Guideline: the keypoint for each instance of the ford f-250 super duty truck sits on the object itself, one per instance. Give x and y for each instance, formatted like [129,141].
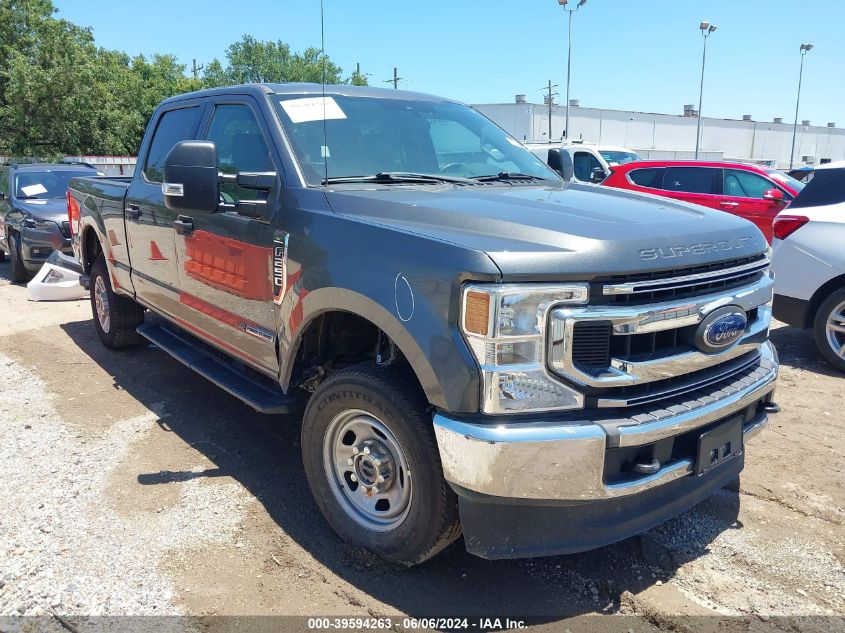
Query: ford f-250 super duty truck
[545,366]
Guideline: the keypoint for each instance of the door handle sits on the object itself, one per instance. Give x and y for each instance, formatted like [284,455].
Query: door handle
[183,225]
[729,205]
[132,211]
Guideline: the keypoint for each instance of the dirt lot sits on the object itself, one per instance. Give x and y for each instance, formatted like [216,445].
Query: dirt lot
[132,486]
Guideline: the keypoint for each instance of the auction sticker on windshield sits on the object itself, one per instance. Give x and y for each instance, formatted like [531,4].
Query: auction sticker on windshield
[33,190]
[312,109]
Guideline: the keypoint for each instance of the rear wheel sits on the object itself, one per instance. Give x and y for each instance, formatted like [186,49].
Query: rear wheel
[372,464]
[115,317]
[829,329]
[19,271]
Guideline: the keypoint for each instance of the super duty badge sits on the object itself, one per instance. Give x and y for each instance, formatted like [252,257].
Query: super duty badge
[671,252]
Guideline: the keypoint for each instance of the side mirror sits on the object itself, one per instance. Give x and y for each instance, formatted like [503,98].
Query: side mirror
[561,162]
[191,182]
[597,175]
[774,196]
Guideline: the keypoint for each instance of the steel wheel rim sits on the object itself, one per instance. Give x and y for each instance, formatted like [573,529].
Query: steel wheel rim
[835,330]
[373,486]
[101,304]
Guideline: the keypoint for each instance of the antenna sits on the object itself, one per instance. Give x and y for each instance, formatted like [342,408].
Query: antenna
[325,148]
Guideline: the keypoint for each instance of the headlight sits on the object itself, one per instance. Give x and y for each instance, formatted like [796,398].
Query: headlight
[505,327]
[32,223]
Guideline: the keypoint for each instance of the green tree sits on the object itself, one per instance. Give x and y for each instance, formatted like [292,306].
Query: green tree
[60,94]
[21,22]
[250,61]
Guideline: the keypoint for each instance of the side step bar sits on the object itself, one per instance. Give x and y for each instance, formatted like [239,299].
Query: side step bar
[253,393]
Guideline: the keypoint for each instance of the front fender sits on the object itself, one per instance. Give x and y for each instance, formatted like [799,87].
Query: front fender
[333,299]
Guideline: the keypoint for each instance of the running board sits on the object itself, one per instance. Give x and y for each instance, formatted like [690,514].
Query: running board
[261,398]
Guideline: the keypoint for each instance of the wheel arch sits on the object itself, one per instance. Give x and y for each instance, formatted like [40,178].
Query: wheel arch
[91,248]
[327,301]
[822,293]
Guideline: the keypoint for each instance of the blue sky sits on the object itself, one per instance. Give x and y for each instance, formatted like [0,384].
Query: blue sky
[627,54]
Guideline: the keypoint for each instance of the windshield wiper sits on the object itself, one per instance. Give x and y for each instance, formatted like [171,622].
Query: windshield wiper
[507,175]
[388,177]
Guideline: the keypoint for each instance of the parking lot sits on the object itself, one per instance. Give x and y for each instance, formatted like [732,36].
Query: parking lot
[133,486]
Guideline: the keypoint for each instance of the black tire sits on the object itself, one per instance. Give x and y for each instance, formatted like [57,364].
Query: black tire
[834,301]
[124,315]
[19,272]
[392,396]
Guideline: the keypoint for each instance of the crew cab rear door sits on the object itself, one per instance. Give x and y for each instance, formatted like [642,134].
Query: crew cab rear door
[225,258]
[149,223]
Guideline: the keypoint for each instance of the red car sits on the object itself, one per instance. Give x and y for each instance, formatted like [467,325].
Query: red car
[749,191]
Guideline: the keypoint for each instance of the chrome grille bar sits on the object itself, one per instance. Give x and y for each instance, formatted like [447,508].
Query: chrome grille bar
[629,320]
[685,281]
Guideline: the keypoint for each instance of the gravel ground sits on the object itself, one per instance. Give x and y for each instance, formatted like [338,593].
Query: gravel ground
[131,486]
[63,545]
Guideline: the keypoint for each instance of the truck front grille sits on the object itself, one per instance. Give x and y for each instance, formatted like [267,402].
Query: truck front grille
[594,344]
[679,283]
[627,354]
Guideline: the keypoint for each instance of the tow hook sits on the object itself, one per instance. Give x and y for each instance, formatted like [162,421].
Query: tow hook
[770,407]
[647,468]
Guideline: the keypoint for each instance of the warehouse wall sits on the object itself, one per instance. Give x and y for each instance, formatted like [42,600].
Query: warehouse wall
[745,140]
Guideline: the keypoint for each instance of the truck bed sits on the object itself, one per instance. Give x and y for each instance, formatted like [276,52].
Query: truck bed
[105,187]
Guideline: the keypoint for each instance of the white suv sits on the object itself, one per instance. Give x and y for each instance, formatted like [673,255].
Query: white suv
[809,262]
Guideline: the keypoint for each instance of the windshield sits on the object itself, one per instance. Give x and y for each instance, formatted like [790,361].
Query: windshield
[42,185]
[366,136]
[619,158]
[786,179]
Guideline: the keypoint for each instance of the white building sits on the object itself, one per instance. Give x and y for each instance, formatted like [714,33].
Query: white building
[673,136]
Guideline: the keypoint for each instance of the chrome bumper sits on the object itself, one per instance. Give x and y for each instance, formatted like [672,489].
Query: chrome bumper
[565,462]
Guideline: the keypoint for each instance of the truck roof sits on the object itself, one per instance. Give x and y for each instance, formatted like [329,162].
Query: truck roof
[261,89]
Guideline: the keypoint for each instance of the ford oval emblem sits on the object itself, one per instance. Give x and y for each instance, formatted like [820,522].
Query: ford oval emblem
[721,328]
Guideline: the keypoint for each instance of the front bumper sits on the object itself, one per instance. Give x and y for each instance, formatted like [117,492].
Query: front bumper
[791,311]
[38,244]
[555,467]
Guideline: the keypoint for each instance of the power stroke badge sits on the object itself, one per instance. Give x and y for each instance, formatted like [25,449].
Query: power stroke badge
[280,265]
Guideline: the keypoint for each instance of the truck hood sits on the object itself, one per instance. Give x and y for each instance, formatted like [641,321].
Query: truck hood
[54,210]
[572,231]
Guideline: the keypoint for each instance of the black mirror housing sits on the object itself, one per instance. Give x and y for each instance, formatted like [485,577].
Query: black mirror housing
[597,175]
[191,183]
[561,162]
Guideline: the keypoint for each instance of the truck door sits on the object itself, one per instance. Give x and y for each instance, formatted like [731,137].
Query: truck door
[149,224]
[584,163]
[225,259]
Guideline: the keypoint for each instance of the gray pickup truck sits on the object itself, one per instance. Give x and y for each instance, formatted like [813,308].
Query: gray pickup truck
[480,347]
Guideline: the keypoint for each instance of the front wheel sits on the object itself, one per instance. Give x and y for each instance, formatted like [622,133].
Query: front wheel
[19,272]
[829,329]
[115,317]
[372,464]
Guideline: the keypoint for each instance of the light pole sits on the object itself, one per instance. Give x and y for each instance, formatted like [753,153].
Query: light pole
[706,29]
[805,48]
[564,4]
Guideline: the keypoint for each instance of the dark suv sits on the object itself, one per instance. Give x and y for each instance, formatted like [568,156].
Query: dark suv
[33,213]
